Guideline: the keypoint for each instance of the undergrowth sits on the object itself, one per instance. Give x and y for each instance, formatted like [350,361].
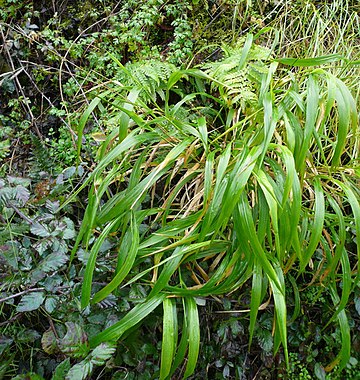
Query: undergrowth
[196,214]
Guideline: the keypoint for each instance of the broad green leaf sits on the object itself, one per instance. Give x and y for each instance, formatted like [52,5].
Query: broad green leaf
[172,264]
[125,118]
[130,141]
[203,132]
[248,232]
[297,305]
[102,353]
[61,370]
[75,342]
[182,347]
[245,50]
[31,301]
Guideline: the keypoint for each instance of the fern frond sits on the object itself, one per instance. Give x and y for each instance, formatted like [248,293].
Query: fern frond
[148,76]
[238,84]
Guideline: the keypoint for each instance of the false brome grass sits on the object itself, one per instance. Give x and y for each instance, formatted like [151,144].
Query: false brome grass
[237,182]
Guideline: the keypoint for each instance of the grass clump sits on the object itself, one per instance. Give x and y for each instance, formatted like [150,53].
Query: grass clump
[209,215]
[244,188]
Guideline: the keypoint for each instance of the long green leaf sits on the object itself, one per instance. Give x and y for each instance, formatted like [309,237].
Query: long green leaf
[84,118]
[133,317]
[256,291]
[317,225]
[90,265]
[193,335]
[306,62]
[169,337]
[128,249]
[280,310]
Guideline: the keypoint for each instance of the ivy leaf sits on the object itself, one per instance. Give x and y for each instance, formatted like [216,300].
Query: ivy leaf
[30,302]
[61,370]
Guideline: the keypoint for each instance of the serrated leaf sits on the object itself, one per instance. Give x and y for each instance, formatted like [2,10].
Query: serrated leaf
[69,232]
[22,194]
[75,342]
[39,230]
[50,304]
[265,340]
[101,353]
[61,370]
[53,262]
[18,181]
[52,207]
[98,356]
[5,194]
[80,371]
[49,342]
[30,302]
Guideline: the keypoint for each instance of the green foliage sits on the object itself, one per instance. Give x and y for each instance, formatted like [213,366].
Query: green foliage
[277,225]
[219,202]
